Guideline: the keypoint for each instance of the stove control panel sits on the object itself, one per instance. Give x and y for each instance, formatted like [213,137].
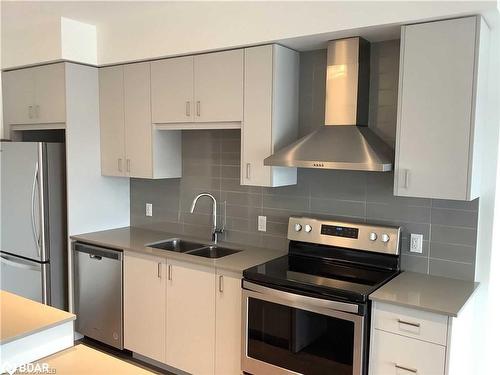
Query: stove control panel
[358,236]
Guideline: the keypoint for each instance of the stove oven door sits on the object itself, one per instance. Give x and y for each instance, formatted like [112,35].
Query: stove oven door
[286,333]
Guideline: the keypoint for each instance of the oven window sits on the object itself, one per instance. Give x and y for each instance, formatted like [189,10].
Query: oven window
[299,340]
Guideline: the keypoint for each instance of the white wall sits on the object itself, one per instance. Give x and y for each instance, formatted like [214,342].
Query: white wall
[141,30]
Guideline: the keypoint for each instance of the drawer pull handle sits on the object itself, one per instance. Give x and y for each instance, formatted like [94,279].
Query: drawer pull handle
[405,368]
[417,325]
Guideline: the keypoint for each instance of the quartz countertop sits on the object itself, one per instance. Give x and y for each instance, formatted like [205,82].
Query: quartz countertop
[20,317]
[136,240]
[419,291]
[83,360]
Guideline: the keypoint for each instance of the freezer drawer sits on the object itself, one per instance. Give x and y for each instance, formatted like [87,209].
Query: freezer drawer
[25,278]
[98,293]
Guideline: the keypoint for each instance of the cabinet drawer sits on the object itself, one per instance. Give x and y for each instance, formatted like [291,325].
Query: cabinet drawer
[398,355]
[412,323]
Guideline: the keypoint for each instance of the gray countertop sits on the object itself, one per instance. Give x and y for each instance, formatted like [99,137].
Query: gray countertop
[135,239]
[425,292]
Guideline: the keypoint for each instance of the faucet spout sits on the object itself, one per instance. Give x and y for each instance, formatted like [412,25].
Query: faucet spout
[215,231]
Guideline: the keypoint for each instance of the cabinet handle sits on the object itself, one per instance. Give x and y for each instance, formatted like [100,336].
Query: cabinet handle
[198,108]
[30,111]
[188,109]
[169,275]
[248,170]
[159,270]
[417,325]
[120,165]
[221,283]
[406,179]
[405,368]
[37,111]
[128,165]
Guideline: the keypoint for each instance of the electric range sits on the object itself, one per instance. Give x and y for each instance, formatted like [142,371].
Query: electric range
[308,312]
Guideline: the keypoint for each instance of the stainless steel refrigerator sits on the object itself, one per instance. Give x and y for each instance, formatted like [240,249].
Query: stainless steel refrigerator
[33,221]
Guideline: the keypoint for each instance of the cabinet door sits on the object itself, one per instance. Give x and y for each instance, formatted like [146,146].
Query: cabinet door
[172,90]
[144,294]
[218,86]
[50,94]
[111,112]
[437,73]
[191,318]
[399,355]
[138,128]
[19,96]
[228,326]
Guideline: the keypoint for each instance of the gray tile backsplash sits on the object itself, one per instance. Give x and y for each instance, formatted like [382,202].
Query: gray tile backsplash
[211,162]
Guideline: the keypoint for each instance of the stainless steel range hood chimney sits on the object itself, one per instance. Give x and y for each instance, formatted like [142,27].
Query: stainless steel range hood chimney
[345,142]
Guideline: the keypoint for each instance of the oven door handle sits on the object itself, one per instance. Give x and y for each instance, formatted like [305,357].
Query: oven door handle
[305,300]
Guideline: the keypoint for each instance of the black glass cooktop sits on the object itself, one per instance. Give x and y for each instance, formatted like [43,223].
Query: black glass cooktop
[334,279]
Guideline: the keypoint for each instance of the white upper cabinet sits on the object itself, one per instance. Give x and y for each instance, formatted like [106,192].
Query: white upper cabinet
[270,113]
[441,88]
[35,95]
[203,88]
[172,90]
[129,144]
[218,86]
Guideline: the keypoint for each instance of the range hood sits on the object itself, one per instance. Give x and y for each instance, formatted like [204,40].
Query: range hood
[345,141]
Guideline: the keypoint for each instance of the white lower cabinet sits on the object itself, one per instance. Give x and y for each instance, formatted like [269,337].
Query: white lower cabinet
[182,314]
[228,325]
[407,341]
[395,354]
[144,297]
[190,318]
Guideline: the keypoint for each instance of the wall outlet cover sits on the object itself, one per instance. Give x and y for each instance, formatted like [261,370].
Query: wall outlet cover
[149,209]
[416,243]
[261,223]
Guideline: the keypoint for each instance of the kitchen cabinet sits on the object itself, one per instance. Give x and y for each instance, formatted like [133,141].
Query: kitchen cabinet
[270,113]
[228,325]
[129,144]
[205,88]
[35,95]
[190,317]
[410,341]
[172,90]
[144,299]
[442,85]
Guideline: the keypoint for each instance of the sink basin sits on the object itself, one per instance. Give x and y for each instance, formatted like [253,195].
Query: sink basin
[213,251]
[176,244]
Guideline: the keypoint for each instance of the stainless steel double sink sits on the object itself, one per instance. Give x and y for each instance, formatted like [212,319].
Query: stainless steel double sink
[193,248]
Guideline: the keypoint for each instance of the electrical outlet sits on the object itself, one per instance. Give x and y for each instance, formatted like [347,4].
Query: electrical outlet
[416,243]
[261,223]
[149,209]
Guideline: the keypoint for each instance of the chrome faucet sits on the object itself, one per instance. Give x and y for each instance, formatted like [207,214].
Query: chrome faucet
[215,231]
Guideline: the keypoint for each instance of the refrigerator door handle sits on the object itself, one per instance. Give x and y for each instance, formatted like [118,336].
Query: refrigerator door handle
[36,235]
[10,262]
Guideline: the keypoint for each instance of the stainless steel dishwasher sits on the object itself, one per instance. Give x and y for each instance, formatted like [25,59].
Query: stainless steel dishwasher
[98,293]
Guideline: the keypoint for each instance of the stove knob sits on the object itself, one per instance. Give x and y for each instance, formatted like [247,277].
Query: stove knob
[298,227]
[385,238]
[373,236]
[308,228]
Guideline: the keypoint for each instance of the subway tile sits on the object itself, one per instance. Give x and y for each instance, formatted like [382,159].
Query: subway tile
[405,248]
[398,212]
[337,207]
[457,253]
[342,185]
[454,270]
[242,211]
[286,202]
[380,189]
[275,242]
[228,171]
[244,238]
[279,229]
[233,184]
[282,215]
[242,199]
[457,205]
[453,235]
[458,218]
[414,263]
[230,158]
[203,232]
